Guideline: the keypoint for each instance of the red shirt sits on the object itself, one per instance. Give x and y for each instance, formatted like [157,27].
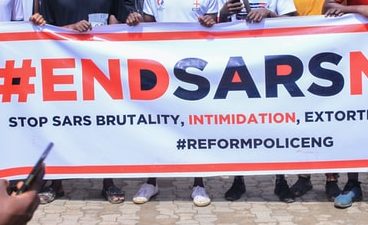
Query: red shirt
[354,2]
[357,2]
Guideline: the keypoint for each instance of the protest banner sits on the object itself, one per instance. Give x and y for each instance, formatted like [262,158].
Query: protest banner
[288,95]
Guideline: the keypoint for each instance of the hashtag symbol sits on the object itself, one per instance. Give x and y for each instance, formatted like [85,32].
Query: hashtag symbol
[181,144]
[16,81]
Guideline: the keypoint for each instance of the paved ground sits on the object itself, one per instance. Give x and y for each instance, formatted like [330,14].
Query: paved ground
[84,205]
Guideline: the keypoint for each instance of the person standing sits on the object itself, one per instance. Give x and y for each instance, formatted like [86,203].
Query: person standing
[303,184]
[205,13]
[82,15]
[352,191]
[259,10]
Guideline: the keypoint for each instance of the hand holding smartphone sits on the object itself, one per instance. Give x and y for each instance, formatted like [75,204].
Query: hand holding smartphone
[239,7]
[37,171]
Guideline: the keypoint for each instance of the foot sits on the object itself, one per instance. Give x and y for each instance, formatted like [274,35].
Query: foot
[113,194]
[301,186]
[332,190]
[49,194]
[200,197]
[145,193]
[352,192]
[236,190]
[282,190]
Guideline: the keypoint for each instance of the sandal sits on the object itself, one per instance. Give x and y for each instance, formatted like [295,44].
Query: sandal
[113,194]
[49,194]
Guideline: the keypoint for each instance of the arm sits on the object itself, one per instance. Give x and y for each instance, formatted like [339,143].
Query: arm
[36,6]
[283,8]
[207,20]
[229,8]
[148,18]
[210,15]
[333,4]
[47,12]
[121,10]
[335,8]
[257,15]
[135,18]
[81,26]
[37,19]
[140,15]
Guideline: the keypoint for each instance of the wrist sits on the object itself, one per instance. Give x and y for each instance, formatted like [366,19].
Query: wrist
[269,13]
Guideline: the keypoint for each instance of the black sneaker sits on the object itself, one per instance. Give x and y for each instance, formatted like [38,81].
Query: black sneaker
[301,186]
[236,190]
[282,190]
[332,190]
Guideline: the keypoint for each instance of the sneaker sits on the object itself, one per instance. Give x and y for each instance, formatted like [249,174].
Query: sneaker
[352,192]
[145,193]
[236,190]
[332,190]
[301,186]
[282,190]
[200,197]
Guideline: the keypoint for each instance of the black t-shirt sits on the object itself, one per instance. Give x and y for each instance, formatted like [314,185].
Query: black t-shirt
[65,12]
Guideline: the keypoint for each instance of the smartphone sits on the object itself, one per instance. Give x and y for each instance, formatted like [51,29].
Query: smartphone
[247,6]
[243,14]
[35,170]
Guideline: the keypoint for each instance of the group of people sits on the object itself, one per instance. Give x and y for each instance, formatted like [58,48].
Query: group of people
[70,14]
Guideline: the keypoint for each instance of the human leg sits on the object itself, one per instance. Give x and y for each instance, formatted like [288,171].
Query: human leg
[282,189]
[112,193]
[352,192]
[302,185]
[236,190]
[332,189]
[49,193]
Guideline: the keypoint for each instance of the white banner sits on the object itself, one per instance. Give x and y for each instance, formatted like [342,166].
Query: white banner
[287,95]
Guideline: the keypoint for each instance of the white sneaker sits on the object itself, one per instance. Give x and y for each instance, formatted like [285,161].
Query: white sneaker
[200,197]
[145,193]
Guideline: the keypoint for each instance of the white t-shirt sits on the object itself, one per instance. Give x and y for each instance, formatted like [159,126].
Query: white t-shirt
[11,10]
[179,10]
[280,7]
